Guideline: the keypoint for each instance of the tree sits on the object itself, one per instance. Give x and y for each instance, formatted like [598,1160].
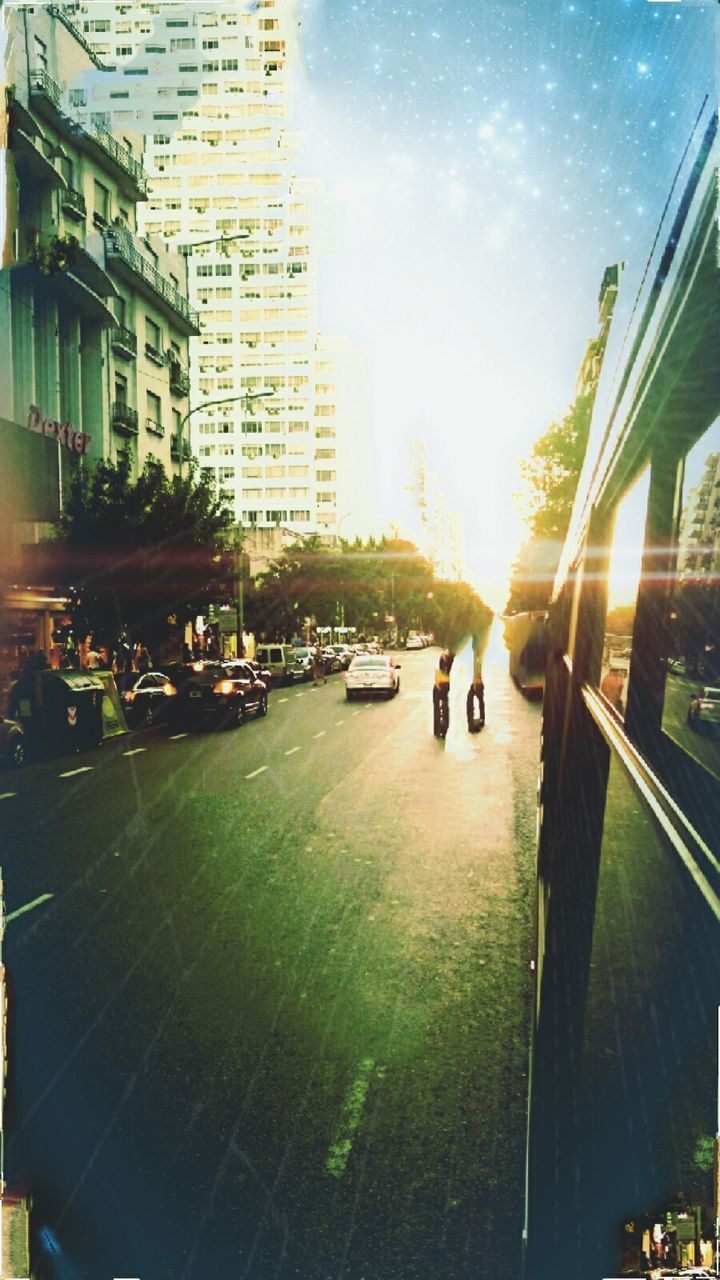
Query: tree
[551,475]
[141,555]
[359,585]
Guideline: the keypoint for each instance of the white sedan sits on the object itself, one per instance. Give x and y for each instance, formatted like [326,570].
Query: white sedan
[372,672]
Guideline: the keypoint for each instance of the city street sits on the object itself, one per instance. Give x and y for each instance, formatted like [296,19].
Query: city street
[269,1005]
[700,741]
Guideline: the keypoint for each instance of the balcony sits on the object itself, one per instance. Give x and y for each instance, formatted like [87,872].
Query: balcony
[136,269]
[73,204]
[153,354]
[179,380]
[123,342]
[45,93]
[124,419]
[175,450]
[155,427]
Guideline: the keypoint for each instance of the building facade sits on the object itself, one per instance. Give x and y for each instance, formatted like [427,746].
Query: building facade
[94,321]
[210,90]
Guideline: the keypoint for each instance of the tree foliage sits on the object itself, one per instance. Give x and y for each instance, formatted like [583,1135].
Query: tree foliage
[361,585]
[143,555]
[550,476]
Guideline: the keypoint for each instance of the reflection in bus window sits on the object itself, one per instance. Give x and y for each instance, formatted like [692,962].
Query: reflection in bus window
[691,708]
[623,579]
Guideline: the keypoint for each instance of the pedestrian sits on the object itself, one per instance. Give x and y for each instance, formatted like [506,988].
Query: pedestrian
[476,693]
[318,665]
[142,659]
[441,696]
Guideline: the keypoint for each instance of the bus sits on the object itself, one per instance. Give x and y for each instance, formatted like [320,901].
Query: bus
[527,639]
[626,956]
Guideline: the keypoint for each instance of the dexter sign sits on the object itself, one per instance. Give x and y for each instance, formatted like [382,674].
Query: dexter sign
[63,432]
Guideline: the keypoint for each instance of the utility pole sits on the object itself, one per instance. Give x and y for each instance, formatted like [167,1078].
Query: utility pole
[240,589]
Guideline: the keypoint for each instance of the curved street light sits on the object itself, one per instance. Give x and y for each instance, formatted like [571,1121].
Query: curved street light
[247,398]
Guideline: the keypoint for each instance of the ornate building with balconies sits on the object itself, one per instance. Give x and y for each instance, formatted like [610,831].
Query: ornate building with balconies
[94,319]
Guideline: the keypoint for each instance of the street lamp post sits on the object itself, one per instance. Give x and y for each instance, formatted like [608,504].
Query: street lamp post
[247,398]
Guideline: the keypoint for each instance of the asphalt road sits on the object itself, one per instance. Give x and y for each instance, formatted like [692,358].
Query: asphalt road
[271,1020]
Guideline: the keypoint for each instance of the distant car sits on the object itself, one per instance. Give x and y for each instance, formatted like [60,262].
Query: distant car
[279,659]
[224,692]
[13,744]
[333,662]
[344,653]
[414,642]
[372,673]
[144,698]
[704,708]
[303,660]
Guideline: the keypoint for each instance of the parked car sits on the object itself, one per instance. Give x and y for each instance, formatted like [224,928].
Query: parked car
[226,692]
[260,672]
[279,660]
[704,708]
[144,698]
[303,659]
[333,662]
[13,744]
[414,642]
[344,653]
[372,673]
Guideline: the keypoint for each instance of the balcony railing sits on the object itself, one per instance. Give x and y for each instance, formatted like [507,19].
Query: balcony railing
[121,156]
[123,341]
[179,380]
[153,354]
[41,82]
[73,203]
[124,419]
[175,450]
[58,11]
[156,427]
[119,245]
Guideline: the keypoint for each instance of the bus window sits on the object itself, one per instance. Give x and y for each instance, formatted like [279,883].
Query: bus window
[623,579]
[691,707]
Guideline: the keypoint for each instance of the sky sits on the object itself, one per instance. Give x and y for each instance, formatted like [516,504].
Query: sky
[483,162]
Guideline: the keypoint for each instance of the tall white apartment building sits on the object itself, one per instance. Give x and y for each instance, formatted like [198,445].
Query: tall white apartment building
[210,88]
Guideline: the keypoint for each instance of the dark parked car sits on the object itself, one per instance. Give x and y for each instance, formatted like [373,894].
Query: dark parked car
[145,697]
[13,744]
[223,692]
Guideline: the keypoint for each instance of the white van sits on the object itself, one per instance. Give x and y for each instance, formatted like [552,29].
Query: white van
[280,661]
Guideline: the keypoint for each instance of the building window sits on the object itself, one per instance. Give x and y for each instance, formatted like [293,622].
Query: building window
[181,44]
[154,411]
[120,388]
[101,206]
[176,420]
[41,59]
[153,341]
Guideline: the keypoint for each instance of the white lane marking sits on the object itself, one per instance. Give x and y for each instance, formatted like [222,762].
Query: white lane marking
[337,722]
[283,699]
[175,736]
[321,734]
[255,772]
[292,751]
[8,795]
[356,713]
[299,695]
[136,751]
[28,907]
[71,773]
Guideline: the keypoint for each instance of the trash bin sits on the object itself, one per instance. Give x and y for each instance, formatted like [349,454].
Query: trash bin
[69,711]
